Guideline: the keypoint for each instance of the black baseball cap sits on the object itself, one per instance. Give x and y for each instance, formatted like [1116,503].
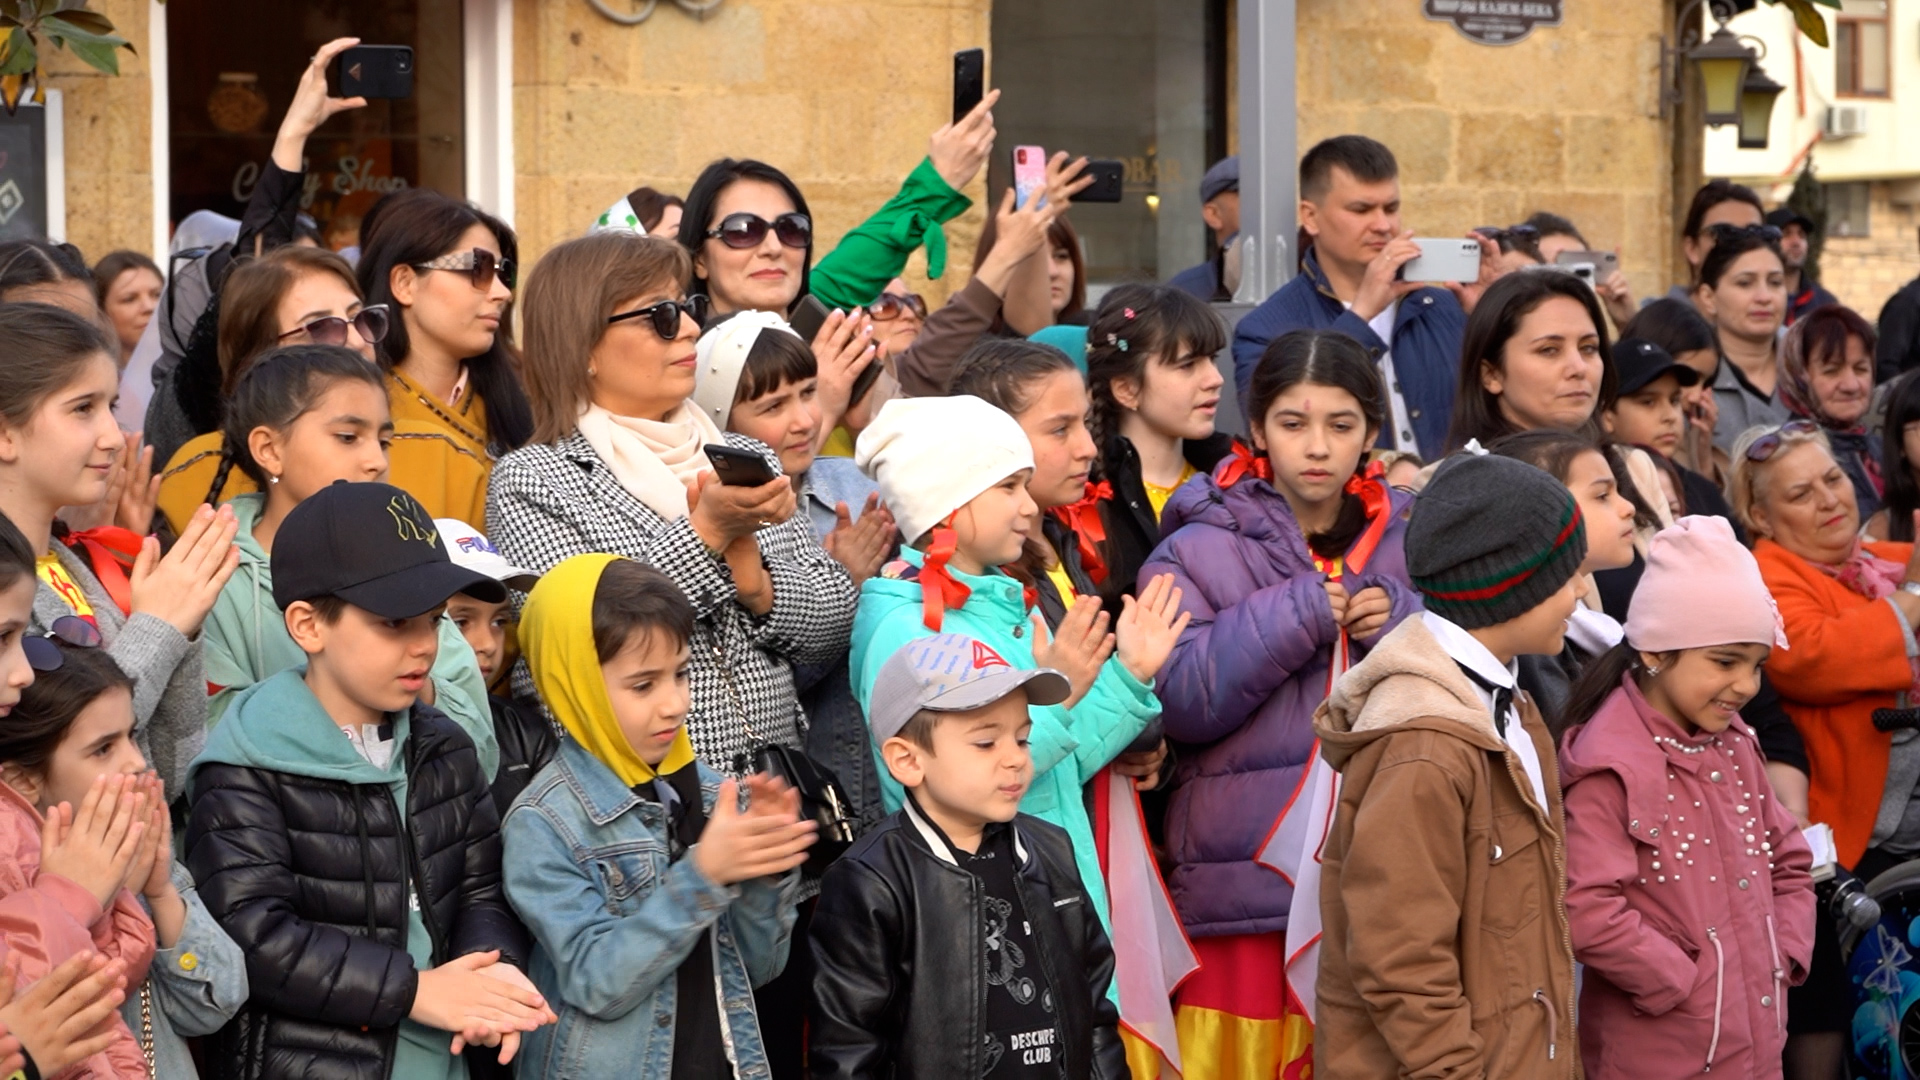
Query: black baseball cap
[1639,362]
[1785,216]
[374,547]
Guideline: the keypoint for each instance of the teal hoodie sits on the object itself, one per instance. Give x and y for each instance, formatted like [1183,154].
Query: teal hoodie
[247,641]
[278,725]
[1068,745]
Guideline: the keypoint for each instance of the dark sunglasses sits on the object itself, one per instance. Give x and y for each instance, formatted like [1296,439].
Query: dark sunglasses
[371,323]
[890,305]
[1767,445]
[742,231]
[1522,235]
[666,315]
[1723,232]
[44,655]
[480,265]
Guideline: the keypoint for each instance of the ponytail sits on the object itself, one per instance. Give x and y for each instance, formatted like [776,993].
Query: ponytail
[279,388]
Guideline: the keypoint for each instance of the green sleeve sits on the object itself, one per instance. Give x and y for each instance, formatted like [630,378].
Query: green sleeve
[460,692]
[1115,711]
[875,252]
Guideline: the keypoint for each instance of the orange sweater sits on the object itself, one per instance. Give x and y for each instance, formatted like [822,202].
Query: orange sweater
[1845,657]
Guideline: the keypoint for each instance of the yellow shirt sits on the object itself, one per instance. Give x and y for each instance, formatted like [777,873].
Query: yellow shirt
[1062,584]
[56,576]
[465,421]
[1158,496]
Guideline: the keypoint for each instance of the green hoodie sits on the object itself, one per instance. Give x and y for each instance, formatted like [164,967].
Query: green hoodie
[278,725]
[247,641]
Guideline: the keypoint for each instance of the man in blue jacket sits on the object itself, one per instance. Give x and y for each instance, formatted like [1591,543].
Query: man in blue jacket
[1350,206]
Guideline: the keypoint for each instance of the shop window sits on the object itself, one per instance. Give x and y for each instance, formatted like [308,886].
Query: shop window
[1847,209]
[233,66]
[1861,50]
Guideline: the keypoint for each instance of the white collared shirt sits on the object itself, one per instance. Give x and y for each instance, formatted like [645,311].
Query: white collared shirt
[1467,650]
[1400,430]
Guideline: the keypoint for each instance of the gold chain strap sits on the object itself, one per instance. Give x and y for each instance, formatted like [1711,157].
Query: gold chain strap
[146,1023]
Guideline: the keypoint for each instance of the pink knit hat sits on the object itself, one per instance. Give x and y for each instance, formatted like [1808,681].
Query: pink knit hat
[1701,588]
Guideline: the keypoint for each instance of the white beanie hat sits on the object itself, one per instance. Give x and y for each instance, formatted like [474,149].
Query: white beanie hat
[721,357]
[932,455]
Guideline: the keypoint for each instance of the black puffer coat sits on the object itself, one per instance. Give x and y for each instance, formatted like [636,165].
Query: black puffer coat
[1132,530]
[311,877]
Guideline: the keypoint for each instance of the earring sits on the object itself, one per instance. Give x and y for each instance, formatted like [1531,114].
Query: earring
[592,371]
[273,479]
[1653,669]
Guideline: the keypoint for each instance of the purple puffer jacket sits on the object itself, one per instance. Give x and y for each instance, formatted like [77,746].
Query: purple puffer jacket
[1240,689]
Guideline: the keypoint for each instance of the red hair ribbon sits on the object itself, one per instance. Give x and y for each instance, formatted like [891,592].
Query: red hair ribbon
[1371,488]
[939,592]
[1084,519]
[110,551]
[1243,464]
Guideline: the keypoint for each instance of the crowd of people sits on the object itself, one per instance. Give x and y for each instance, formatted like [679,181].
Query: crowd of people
[414,667]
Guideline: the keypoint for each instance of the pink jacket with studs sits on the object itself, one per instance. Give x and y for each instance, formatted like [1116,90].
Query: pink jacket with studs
[1688,893]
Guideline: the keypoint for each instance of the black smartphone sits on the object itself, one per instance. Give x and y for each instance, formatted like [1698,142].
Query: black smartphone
[739,468]
[376,71]
[1108,180]
[969,81]
[809,315]
[864,381]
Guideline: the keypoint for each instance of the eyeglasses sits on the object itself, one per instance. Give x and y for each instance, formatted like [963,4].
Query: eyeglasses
[1523,236]
[44,655]
[481,265]
[1722,232]
[742,231]
[892,305]
[371,323]
[1767,445]
[666,315]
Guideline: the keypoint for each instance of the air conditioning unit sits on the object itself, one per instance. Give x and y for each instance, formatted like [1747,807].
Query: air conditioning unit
[1846,121]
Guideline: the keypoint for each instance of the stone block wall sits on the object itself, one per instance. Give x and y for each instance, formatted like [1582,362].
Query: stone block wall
[841,94]
[1567,120]
[1863,271]
[109,140]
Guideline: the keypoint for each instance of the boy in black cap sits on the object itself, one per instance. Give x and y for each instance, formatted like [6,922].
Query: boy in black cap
[1796,243]
[955,939]
[344,834]
[1649,412]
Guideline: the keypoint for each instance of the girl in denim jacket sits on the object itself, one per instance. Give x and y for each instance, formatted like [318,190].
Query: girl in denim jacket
[656,899]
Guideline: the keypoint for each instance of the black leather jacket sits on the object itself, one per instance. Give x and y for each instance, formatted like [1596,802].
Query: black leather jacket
[527,742]
[900,970]
[311,877]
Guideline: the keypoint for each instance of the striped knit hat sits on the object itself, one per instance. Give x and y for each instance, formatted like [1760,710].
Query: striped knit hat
[1491,539]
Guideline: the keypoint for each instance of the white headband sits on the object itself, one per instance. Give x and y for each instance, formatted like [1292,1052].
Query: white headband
[721,356]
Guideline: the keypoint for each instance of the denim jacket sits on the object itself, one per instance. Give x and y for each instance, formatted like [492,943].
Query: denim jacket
[587,869]
[192,989]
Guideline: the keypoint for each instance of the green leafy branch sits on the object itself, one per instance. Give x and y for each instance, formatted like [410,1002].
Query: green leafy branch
[1806,15]
[63,24]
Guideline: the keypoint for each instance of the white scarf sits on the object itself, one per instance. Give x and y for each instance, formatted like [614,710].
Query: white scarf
[654,460]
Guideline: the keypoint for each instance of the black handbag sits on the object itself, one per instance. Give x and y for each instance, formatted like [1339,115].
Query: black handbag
[822,800]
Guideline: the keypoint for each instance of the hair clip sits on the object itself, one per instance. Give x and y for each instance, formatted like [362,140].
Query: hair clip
[1128,312]
[1117,342]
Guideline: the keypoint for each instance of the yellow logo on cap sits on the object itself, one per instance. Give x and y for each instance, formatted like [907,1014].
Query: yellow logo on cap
[406,516]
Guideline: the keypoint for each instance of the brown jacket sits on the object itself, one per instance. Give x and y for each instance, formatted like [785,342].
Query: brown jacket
[1446,954]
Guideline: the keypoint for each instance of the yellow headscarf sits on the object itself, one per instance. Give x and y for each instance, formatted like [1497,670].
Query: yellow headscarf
[556,634]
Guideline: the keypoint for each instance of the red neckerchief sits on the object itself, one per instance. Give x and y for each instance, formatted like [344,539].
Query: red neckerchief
[1371,488]
[110,551]
[1243,464]
[939,592]
[1084,519]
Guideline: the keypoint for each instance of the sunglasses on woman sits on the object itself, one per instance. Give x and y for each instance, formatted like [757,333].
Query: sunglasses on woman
[44,655]
[666,315]
[1767,445]
[480,265]
[370,323]
[892,305]
[742,231]
[1722,232]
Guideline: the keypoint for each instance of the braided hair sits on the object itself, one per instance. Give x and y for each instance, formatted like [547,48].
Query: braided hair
[280,387]
[1135,325]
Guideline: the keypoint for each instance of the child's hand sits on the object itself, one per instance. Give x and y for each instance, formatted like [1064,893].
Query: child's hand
[1079,649]
[1336,601]
[180,587]
[457,997]
[67,1016]
[95,847]
[1149,627]
[152,869]
[766,838]
[1367,612]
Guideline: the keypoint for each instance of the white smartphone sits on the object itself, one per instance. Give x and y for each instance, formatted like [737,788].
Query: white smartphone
[1444,260]
[1604,263]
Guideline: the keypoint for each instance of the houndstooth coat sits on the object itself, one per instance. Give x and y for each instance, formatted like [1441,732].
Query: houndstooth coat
[547,503]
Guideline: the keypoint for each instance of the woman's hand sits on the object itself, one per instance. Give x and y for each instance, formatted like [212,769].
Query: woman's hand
[752,585]
[843,348]
[1367,611]
[722,513]
[1790,787]
[96,846]
[1065,179]
[180,587]
[1078,649]
[68,1015]
[1618,296]
[1149,627]
[765,839]
[1019,233]
[311,107]
[958,150]
[861,546]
